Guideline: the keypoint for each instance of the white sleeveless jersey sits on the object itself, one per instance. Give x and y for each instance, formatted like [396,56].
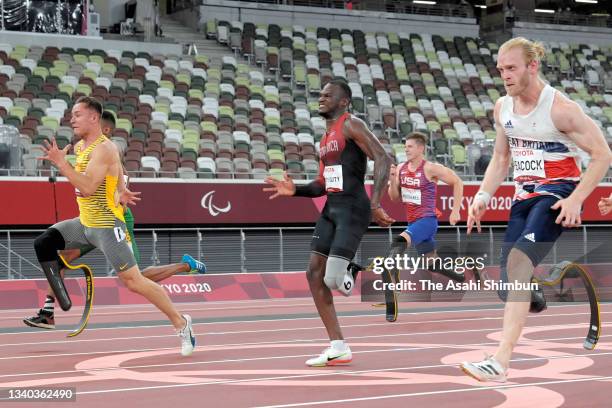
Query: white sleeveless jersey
[545,161]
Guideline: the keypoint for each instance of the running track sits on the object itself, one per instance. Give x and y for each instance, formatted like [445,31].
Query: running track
[252,353]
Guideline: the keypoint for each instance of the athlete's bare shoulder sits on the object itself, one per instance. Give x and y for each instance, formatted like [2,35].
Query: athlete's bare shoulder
[434,170]
[433,166]
[562,101]
[356,129]
[354,119]
[565,112]
[108,146]
[106,151]
[354,124]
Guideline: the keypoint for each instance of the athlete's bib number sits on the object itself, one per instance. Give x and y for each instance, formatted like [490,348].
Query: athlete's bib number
[333,177]
[119,234]
[411,195]
[528,164]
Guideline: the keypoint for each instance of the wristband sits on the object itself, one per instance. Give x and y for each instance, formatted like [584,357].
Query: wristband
[483,196]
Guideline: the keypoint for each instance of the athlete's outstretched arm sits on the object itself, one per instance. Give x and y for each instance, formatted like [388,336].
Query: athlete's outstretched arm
[494,175]
[497,171]
[569,118]
[369,144]
[286,187]
[315,188]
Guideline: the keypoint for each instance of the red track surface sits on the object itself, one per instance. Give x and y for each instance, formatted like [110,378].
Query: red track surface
[258,359]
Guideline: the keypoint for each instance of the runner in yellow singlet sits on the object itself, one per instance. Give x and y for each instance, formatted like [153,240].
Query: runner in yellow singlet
[99,185]
[45,316]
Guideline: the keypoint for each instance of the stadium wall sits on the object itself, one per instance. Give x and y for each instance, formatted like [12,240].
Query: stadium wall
[278,249]
[174,202]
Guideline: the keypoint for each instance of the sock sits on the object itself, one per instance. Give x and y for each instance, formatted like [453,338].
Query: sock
[339,345]
[49,304]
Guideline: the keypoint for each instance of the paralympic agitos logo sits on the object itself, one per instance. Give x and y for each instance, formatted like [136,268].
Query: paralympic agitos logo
[213,209]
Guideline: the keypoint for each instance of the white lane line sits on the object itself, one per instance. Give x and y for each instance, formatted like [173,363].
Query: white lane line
[396,324]
[336,373]
[290,319]
[377,336]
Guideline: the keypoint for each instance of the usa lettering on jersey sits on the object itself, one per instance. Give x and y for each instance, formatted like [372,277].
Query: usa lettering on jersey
[410,181]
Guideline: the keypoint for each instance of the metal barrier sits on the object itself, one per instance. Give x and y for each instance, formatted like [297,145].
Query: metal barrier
[13,273]
[269,249]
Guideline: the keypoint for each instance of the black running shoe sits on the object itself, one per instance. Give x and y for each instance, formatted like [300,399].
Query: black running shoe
[43,319]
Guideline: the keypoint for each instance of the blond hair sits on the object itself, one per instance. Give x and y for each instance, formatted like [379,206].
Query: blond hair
[532,50]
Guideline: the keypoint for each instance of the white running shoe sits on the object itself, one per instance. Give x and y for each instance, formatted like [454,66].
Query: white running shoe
[188,340]
[331,357]
[487,370]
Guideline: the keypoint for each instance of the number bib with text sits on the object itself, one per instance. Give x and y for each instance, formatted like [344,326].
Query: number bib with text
[333,177]
[528,164]
[411,195]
